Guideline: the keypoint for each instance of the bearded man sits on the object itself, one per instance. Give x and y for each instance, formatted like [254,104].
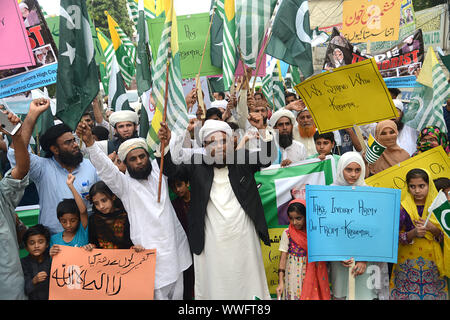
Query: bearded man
[305,130]
[62,156]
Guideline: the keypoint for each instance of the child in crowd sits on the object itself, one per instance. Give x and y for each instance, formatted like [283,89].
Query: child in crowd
[72,214]
[300,280]
[36,266]
[351,172]
[420,269]
[109,227]
[444,185]
[325,144]
[180,186]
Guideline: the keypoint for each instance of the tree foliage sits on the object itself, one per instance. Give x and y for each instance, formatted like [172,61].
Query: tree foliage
[424,4]
[117,9]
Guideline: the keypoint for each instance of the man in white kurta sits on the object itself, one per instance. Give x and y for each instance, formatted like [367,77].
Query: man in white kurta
[153,225]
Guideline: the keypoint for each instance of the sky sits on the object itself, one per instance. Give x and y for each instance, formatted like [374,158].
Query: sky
[182,7]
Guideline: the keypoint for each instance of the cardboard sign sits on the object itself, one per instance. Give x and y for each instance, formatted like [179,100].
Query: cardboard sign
[435,161]
[22,80]
[359,222]
[16,49]
[371,20]
[102,274]
[277,186]
[349,95]
[192,31]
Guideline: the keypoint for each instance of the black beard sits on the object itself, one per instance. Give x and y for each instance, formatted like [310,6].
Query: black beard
[140,174]
[400,125]
[69,159]
[285,140]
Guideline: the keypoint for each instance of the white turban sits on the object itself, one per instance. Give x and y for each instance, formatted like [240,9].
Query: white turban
[398,104]
[129,145]
[122,116]
[219,104]
[281,113]
[211,126]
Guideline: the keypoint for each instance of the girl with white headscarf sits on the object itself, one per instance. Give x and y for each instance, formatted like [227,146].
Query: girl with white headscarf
[350,172]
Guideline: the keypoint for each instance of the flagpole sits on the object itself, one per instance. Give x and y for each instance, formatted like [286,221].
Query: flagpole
[161,166]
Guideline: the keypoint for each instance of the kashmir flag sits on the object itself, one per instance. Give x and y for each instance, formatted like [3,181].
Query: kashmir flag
[267,88]
[168,52]
[277,88]
[77,73]
[292,38]
[152,9]
[124,49]
[425,107]
[105,66]
[295,73]
[143,72]
[226,10]
[252,22]
[374,150]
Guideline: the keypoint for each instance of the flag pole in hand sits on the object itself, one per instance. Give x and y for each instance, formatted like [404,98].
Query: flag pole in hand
[169,56]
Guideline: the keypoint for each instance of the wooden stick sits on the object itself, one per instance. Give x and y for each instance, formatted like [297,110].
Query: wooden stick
[161,166]
[351,282]
[243,67]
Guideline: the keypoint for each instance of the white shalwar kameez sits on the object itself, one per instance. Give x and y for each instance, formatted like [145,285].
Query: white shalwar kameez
[231,264]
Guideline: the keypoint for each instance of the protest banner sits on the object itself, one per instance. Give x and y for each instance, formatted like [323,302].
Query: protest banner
[338,99]
[102,274]
[397,65]
[192,31]
[277,187]
[432,21]
[435,161]
[43,73]
[371,20]
[16,49]
[359,222]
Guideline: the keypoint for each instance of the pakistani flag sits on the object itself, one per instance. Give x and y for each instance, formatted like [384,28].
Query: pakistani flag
[441,209]
[105,66]
[292,38]
[143,72]
[216,34]
[77,83]
[252,22]
[425,107]
[226,11]
[117,95]
[168,52]
[124,48]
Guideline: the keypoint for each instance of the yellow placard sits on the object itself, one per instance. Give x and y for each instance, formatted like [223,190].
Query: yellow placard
[371,20]
[271,257]
[434,161]
[350,95]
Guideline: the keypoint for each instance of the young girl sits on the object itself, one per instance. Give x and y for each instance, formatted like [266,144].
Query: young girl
[419,272]
[72,214]
[351,172]
[108,225]
[300,280]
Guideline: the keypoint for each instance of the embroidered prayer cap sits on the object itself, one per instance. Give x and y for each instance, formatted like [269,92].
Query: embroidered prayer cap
[281,113]
[122,116]
[211,126]
[130,145]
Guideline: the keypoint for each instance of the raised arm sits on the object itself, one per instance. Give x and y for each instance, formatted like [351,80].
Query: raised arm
[97,108]
[22,158]
[80,203]
[37,107]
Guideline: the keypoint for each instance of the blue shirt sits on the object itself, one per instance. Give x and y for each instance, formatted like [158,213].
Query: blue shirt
[80,239]
[50,179]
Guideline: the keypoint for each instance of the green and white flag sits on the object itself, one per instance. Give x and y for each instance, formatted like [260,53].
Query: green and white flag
[292,38]
[295,73]
[78,82]
[124,48]
[152,9]
[168,52]
[374,150]
[143,72]
[117,97]
[252,22]
[441,209]
[108,53]
[277,88]
[267,88]
[226,10]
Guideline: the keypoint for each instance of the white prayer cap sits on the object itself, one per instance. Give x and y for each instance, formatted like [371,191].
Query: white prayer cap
[219,104]
[191,116]
[398,104]
[23,5]
[129,145]
[211,126]
[281,113]
[122,116]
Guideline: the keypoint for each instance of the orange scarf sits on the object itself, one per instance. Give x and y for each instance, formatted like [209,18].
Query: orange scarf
[315,285]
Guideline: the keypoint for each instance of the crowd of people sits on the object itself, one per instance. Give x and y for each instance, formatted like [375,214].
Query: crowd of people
[98,187]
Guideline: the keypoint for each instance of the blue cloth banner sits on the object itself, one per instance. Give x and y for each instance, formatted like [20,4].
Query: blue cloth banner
[359,222]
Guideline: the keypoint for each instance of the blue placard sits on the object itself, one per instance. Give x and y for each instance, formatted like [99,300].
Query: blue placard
[358,222]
